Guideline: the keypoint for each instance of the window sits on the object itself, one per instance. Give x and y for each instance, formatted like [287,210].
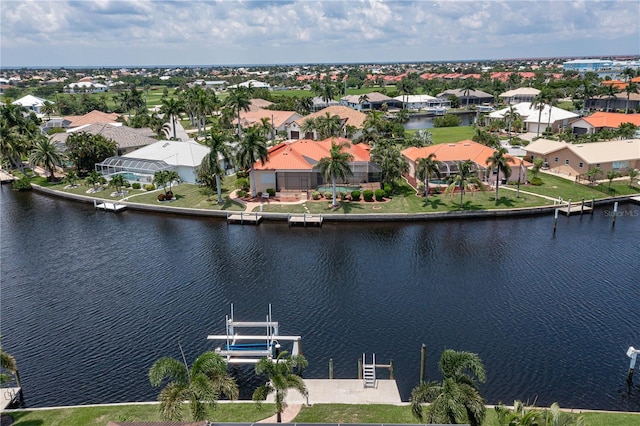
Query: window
[555,159]
[618,165]
[598,165]
[581,164]
[566,162]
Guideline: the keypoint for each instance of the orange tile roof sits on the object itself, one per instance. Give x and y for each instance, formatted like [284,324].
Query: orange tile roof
[92,117]
[612,120]
[303,154]
[352,117]
[464,150]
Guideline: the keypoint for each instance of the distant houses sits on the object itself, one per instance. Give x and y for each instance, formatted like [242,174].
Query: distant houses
[348,117]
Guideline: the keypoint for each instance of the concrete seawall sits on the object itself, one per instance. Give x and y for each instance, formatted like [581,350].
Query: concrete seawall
[369,217]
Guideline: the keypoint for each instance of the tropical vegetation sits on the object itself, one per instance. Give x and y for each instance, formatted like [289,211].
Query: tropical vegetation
[335,166]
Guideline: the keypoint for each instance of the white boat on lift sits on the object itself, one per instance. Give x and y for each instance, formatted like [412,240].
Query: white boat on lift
[251,348]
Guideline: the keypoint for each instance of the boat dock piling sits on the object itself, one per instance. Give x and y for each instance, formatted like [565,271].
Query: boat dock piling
[305,219]
[633,354]
[242,218]
[575,208]
[110,207]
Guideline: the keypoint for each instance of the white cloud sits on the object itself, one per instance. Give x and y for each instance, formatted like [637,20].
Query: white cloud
[218,32]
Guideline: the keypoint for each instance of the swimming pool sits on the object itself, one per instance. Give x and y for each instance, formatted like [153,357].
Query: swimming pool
[339,188]
[135,177]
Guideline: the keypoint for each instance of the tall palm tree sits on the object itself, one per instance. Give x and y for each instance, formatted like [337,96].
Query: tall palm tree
[45,153]
[457,399]
[172,107]
[251,149]
[465,179]
[328,125]
[201,385]
[336,165]
[610,91]
[511,115]
[218,149]
[632,87]
[391,162]
[425,169]
[239,100]
[8,364]
[468,86]
[633,173]
[498,160]
[539,102]
[328,92]
[281,376]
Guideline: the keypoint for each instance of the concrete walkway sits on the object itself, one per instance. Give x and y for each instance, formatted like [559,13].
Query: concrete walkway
[290,412]
[251,206]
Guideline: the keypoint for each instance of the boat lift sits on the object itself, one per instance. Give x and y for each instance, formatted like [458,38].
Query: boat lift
[633,354]
[250,348]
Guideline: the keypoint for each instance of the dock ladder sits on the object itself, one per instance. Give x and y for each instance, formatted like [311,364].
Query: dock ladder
[369,372]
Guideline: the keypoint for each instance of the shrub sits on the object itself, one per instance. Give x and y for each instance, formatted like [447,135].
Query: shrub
[242,183]
[169,196]
[149,187]
[379,194]
[448,120]
[271,192]
[355,195]
[367,194]
[22,184]
[343,196]
[388,189]
[315,195]
[536,181]
[328,195]
[242,193]
[161,197]
[242,174]
[135,185]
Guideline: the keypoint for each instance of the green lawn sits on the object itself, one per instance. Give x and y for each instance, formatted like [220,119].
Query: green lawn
[451,134]
[248,412]
[406,201]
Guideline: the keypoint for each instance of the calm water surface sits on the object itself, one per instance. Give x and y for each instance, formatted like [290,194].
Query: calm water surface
[89,300]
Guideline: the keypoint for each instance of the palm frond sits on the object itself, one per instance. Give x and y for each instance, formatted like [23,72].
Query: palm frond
[168,367]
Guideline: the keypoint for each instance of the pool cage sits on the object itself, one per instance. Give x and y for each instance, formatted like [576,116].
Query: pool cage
[133,169]
[450,168]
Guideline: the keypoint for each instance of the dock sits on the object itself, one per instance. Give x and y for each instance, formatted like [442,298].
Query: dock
[305,219]
[576,208]
[109,207]
[344,391]
[9,396]
[243,218]
[6,177]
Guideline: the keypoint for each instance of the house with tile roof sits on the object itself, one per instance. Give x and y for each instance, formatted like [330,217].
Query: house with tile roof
[280,120]
[348,116]
[126,138]
[521,94]
[291,165]
[451,153]
[578,159]
[599,121]
[93,117]
[535,121]
[374,100]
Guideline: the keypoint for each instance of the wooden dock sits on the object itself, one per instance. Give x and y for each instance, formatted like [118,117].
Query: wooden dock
[6,177]
[305,219]
[109,207]
[243,218]
[576,208]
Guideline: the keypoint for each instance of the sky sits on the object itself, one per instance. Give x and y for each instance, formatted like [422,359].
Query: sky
[151,32]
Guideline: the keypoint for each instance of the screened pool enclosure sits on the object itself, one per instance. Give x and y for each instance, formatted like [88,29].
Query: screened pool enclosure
[133,169]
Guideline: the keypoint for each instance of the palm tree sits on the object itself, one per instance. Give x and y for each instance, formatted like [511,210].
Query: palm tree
[71,178]
[172,107]
[610,91]
[594,173]
[239,100]
[328,125]
[457,399]
[336,165]
[218,149]
[633,173]
[539,103]
[632,87]
[363,99]
[391,162]
[538,162]
[160,180]
[611,175]
[45,153]
[8,364]
[281,378]
[48,108]
[118,182]
[511,115]
[201,384]
[425,169]
[498,160]
[252,148]
[172,176]
[94,179]
[466,178]
[328,92]
[469,85]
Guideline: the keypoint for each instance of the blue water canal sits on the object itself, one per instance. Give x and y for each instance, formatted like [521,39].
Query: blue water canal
[89,300]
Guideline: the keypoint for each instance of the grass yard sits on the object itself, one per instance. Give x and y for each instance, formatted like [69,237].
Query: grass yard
[451,134]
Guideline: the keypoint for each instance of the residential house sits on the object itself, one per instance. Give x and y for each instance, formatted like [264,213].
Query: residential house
[93,117]
[370,101]
[348,116]
[31,103]
[599,121]
[522,94]
[210,84]
[291,165]
[85,87]
[618,102]
[254,84]
[318,103]
[279,120]
[126,138]
[578,159]
[451,153]
[473,97]
[424,102]
[536,121]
